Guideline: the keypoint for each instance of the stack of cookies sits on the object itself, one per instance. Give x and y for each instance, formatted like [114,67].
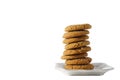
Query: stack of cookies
[76,47]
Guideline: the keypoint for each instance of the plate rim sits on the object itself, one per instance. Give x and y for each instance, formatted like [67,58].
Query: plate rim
[94,70]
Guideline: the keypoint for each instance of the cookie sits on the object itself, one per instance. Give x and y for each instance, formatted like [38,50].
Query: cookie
[75,34]
[81,67]
[77,45]
[77,56]
[77,51]
[84,60]
[72,40]
[77,27]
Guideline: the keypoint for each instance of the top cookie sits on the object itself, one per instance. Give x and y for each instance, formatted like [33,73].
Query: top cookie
[77,27]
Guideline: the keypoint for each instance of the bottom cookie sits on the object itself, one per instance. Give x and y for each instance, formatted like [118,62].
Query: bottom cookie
[79,67]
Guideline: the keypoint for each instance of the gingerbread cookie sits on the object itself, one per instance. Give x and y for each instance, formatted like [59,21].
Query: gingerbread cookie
[77,56]
[75,34]
[77,45]
[84,60]
[77,27]
[81,67]
[72,40]
[77,51]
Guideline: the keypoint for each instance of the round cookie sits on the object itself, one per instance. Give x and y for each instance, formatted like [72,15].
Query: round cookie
[72,40]
[77,45]
[77,56]
[84,60]
[77,51]
[77,27]
[75,34]
[79,67]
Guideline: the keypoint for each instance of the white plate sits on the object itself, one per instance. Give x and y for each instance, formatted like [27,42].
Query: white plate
[99,69]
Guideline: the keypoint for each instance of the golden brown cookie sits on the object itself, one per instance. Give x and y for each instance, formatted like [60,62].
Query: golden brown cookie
[77,56]
[72,40]
[77,27]
[77,45]
[75,34]
[84,60]
[81,67]
[77,51]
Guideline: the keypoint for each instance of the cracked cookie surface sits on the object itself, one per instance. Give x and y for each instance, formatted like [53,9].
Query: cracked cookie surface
[77,51]
[76,45]
[77,27]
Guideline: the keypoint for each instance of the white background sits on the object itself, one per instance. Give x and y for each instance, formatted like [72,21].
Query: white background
[31,36]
